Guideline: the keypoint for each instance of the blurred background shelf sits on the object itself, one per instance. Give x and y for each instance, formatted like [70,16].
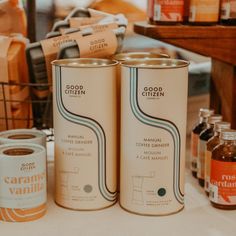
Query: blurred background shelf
[217,42]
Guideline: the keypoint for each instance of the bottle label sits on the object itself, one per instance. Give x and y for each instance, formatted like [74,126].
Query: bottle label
[223,182]
[208,155]
[204,10]
[194,149]
[165,10]
[201,159]
[228,9]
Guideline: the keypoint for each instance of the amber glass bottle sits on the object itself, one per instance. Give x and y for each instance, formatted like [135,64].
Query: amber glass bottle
[204,136]
[211,144]
[223,172]
[204,12]
[228,12]
[204,114]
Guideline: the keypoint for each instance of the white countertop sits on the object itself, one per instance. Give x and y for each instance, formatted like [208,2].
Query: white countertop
[198,218]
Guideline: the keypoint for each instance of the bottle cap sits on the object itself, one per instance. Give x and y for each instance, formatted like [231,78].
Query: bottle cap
[214,118]
[228,134]
[204,112]
[219,126]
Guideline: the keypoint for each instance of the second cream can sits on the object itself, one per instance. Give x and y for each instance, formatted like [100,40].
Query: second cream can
[85,121]
[153,135]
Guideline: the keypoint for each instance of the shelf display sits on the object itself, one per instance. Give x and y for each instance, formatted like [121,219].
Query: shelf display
[119,120]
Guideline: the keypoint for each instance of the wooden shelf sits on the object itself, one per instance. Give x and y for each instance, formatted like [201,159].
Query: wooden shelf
[218,42]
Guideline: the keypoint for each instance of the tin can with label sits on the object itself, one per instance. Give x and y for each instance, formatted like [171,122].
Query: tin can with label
[85,123]
[23,190]
[165,11]
[153,134]
[126,56]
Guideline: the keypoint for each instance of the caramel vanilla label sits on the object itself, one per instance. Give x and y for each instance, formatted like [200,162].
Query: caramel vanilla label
[23,182]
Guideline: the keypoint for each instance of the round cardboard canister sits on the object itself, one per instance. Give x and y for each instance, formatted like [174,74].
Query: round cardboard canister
[153,134]
[23,136]
[122,57]
[23,190]
[85,125]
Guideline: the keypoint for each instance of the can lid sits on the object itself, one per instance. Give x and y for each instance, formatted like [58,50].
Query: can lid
[138,55]
[21,149]
[205,112]
[157,63]
[219,126]
[84,62]
[214,118]
[228,134]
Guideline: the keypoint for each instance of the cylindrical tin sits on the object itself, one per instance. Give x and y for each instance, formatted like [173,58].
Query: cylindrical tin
[153,134]
[23,188]
[23,136]
[85,124]
[121,57]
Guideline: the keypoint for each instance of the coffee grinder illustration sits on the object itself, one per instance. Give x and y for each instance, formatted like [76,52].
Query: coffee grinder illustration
[137,194]
[66,185]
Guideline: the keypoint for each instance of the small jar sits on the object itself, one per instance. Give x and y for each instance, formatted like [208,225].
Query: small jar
[211,144]
[223,172]
[204,114]
[228,12]
[165,11]
[205,135]
[204,12]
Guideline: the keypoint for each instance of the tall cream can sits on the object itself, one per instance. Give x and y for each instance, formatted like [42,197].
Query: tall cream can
[85,133]
[153,135]
[122,57]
